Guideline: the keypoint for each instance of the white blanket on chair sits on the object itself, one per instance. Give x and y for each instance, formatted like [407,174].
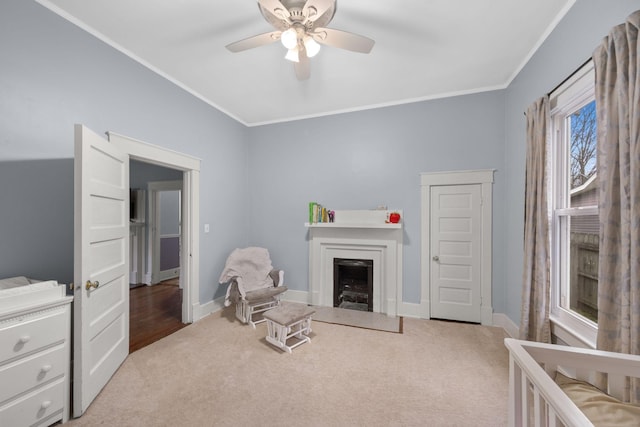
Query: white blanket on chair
[250,267]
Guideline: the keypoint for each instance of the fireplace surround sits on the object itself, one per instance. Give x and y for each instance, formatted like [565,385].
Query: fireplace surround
[362,235]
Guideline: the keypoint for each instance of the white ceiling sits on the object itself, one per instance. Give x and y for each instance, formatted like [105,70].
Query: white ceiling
[424,50]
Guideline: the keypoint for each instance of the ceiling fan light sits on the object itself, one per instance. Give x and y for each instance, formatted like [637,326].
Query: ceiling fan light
[311,46]
[292,55]
[289,38]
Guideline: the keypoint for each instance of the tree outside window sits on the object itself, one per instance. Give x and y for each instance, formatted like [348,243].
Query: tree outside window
[583,144]
[584,231]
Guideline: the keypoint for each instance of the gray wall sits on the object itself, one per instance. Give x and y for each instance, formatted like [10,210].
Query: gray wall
[319,159]
[363,160]
[256,182]
[36,219]
[570,44]
[140,174]
[54,75]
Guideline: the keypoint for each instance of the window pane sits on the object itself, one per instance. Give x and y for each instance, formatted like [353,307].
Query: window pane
[583,184]
[583,261]
[573,196]
[582,181]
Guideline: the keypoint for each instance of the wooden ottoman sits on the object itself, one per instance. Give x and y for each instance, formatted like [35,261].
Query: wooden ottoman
[288,321]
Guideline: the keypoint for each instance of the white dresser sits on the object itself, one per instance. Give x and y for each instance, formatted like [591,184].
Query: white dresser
[35,345]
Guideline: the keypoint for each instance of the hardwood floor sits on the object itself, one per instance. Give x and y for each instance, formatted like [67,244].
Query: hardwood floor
[154,312]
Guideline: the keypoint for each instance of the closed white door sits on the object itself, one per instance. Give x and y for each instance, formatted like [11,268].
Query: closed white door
[456,237]
[101,271]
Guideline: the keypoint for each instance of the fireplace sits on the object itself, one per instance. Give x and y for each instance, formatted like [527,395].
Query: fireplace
[353,284]
[357,235]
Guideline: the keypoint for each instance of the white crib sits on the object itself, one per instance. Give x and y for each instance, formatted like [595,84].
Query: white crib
[534,397]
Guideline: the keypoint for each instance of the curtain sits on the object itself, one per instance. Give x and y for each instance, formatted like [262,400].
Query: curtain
[618,117]
[534,323]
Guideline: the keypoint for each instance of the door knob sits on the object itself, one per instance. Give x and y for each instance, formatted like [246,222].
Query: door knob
[436,258]
[90,285]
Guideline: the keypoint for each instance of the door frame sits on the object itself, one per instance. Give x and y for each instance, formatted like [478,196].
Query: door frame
[485,179]
[190,167]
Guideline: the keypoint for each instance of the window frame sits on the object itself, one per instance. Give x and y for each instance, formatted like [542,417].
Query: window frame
[570,96]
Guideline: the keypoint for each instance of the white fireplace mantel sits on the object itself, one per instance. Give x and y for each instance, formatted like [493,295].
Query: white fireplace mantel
[351,225]
[357,235]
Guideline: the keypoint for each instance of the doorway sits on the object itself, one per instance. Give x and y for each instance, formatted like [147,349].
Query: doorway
[190,219]
[456,246]
[101,249]
[155,291]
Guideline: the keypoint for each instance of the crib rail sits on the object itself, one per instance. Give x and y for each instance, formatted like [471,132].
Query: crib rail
[534,397]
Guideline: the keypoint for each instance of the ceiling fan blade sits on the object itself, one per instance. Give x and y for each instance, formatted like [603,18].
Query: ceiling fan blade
[343,40]
[303,66]
[254,41]
[314,9]
[276,8]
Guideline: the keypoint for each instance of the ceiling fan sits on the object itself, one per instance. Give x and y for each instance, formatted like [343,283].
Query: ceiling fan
[300,25]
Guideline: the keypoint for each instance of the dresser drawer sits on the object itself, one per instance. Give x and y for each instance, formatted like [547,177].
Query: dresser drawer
[43,406]
[31,371]
[28,333]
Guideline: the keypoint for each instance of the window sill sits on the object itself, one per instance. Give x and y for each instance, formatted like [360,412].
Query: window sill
[583,338]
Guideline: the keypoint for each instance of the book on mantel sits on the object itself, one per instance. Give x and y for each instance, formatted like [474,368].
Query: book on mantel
[317,213]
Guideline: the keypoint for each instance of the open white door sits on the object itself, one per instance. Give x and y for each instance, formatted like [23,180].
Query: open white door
[101,271]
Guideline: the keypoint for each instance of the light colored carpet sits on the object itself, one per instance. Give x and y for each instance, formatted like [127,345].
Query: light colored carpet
[218,372]
[358,319]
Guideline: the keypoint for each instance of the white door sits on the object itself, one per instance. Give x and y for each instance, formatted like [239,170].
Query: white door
[169,236]
[165,222]
[101,271]
[456,239]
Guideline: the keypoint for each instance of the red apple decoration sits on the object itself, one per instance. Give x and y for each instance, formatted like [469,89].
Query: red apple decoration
[394,217]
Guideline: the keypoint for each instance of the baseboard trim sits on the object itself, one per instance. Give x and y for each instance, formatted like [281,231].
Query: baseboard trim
[405,309]
[296,296]
[201,311]
[503,321]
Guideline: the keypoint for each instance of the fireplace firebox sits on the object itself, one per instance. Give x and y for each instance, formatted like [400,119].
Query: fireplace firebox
[353,284]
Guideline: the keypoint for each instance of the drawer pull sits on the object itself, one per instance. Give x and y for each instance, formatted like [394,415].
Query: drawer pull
[24,339]
[46,368]
[45,404]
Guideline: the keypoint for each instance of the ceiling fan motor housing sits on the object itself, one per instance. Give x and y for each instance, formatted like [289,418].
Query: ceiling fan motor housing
[297,16]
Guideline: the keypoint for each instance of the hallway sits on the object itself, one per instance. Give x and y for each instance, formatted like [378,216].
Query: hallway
[154,312]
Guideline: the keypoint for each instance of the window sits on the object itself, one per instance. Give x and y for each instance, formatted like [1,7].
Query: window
[573,197]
